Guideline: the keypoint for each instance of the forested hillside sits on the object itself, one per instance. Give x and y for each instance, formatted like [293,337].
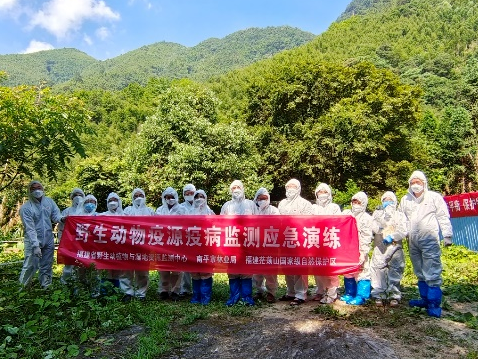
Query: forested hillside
[52,66]
[390,88]
[209,58]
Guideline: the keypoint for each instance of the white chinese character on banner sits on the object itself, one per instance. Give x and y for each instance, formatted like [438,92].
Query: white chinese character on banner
[332,261]
[99,232]
[175,236]
[82,232]
[252,235]
[311,237]
[457,205]
[118,234]
[193,235]
[137,235]
[213,236]
[331,239]
[472,203]
[291,238]
[156,236]
[271,236]
[466,205]
[232,237]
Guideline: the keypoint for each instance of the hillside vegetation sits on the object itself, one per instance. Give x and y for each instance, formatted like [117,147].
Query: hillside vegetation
[209,58]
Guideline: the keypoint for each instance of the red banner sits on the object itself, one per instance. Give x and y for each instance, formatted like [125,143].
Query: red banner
[462,205]
[321,245]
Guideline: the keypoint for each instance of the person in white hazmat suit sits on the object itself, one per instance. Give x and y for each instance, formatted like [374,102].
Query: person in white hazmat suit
[115,208]
[326,285]
[77,197]
[134,283]
[295,205]
[262,199]
[170,282]
[388,262]
[188,204]
[427,215]
[37,215]
[240,285]
[357,285]
[201,282]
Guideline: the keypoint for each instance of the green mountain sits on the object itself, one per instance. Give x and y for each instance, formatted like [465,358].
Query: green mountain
[209,58]
[429,44]
[52,66]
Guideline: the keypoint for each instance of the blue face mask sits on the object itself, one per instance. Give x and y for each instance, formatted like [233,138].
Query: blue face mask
[89,207]
[386,204]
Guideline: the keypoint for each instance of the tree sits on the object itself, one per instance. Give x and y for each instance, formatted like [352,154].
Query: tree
[183,143]
[39,132]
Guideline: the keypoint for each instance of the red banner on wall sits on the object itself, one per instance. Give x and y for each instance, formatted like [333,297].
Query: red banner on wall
[321,245]
[462,205]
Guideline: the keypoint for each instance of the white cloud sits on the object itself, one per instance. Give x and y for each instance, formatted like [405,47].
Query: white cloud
[7,4]
[87,39]
[60,17]
[102,33]
[36,46]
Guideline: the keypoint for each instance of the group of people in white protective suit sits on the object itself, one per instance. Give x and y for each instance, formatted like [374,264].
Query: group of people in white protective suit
[422,217]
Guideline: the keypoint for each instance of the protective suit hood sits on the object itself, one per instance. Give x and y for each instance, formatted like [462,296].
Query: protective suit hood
[262,191]
[136,190]
[323,187]
[170,191]
[81,211]
[30,196]
[241,186]
[296,182]
[77,191]
[119,210]
[421,176]
[189,187]
[362,197]
[391,195]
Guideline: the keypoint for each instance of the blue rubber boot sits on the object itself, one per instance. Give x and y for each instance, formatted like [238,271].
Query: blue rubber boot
[206,291]
[350,289]
[423,290]
[246,291]
[196,298]
[434,301]
[234,291]
[363,293]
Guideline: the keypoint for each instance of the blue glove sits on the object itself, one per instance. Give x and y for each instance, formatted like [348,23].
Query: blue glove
[386,204]
[388,240]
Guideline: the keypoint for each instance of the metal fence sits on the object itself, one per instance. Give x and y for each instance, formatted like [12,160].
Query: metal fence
[465,232]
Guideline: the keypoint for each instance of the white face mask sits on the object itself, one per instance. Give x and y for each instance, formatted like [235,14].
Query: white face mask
[356,208]
[291,193]
[139,201]
[38,193]
[322,198]
[237,194]
[416,188]
[171,202]
[189,198]
[77,200]
[199,202]
[112,205]
[262,204]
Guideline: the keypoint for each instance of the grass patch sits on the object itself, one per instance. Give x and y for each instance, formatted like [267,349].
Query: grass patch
[58,323]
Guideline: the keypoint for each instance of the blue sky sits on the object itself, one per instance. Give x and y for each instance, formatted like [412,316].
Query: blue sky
[108,28]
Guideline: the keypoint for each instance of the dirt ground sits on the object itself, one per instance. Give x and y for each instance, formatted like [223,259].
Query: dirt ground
[281,331]
[312,331]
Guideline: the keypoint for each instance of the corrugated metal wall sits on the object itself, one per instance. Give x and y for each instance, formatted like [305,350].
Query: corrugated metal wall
[465,232]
